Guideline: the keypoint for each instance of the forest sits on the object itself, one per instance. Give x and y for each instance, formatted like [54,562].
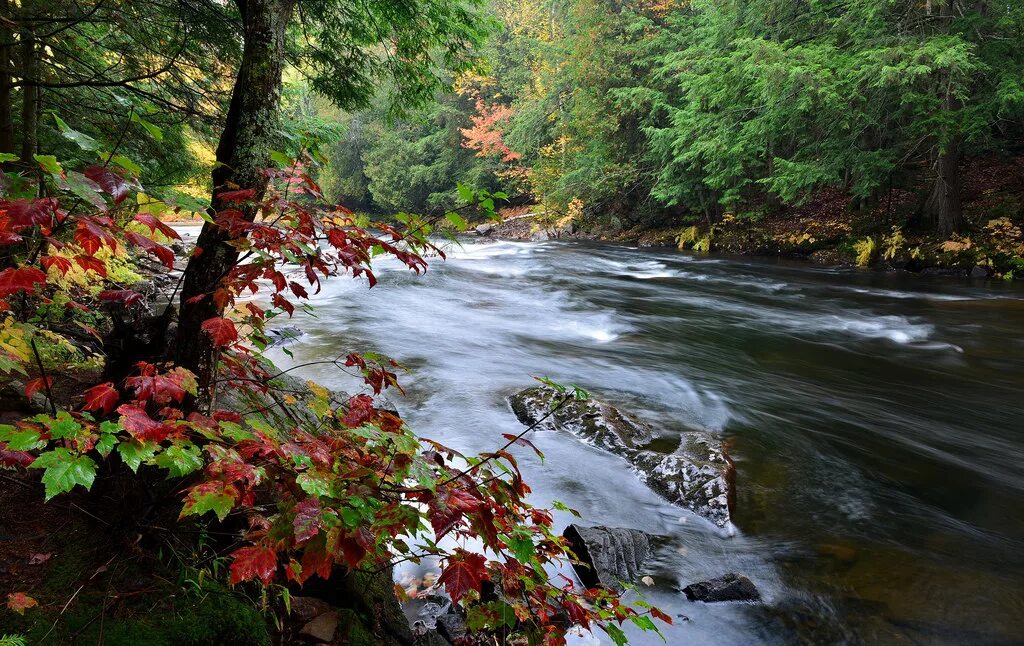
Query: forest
[510,321]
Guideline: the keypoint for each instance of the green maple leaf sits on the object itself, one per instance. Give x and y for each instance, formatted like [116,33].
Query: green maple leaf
[180,460]
[134,453]
[64,471]
[106,444]
[209,497]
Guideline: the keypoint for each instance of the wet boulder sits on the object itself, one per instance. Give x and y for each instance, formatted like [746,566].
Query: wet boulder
[592,421]
[731,587]
[484,229]
[695,472]
[608,556]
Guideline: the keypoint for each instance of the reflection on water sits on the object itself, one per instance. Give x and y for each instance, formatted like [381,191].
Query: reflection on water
[876,421]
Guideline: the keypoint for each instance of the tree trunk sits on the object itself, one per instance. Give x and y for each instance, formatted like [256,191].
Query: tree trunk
[943,210]
[244,155]
[30,98]
[6,91]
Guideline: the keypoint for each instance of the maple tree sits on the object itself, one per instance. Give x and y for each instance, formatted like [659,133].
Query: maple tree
[354,487]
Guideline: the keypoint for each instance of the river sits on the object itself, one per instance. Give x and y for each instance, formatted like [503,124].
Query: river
[876,421]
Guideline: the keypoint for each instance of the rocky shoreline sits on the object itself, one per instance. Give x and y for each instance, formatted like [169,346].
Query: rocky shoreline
[770,240]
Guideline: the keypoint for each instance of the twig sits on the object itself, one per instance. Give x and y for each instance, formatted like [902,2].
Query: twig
[46,380]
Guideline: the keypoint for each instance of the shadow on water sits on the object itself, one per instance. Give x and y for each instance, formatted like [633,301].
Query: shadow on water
[876,421]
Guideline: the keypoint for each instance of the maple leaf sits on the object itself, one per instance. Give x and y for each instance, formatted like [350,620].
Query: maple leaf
[218,497]
[165,254]
[23,279]
[12,459]
[102,398]
[142,427]
[34,386]
[251,563]
[154,224]
[222,331]
[126,296]
[63,265]
[91,234]
[19,602]
[94,264]
[117,186]
[159,388]
[243,195]
[360,410]
[308,520]
[9,238]
[465,572]
[23,214]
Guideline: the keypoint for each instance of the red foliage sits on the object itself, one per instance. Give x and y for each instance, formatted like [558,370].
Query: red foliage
[24,279]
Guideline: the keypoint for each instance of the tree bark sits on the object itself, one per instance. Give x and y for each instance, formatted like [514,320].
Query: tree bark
[30,98]
[243,155]
[6,90]
[943,210]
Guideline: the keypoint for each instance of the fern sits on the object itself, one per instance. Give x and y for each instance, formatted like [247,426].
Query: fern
[865,249]
[12,640]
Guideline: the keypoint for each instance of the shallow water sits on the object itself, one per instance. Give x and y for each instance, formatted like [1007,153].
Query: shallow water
[876,421]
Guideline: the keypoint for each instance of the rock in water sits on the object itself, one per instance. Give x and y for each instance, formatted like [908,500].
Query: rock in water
[731,587]
[698,475]
[609,555]
[484,229]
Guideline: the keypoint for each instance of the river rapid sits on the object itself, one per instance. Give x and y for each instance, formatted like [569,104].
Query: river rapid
[876,421]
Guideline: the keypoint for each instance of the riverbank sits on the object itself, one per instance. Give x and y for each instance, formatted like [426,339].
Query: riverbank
[825,230]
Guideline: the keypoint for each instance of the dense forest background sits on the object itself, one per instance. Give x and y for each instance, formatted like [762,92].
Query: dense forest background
[638,112]
[641,112]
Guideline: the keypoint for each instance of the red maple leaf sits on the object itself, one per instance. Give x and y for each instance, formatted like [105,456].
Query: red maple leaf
[90,263]
[23,214]
[308,520]
[34,386]
[92,233]
[102,398]
[253,563]
[243,195]
[12,459]
[116,185]
[19,602]
[63,265]
[155,225]
[360,410]
[465,572]
[23,279]
[165,254]
[9,238]
[142,427]
[222,331]
[126,296]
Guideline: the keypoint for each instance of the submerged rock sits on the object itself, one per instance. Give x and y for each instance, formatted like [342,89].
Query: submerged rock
[731,587]
[696,473]
[608,555]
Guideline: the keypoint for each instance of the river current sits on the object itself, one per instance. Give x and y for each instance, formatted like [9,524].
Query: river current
[876,421]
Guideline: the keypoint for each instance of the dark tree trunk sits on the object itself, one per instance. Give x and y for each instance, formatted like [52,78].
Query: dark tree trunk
[244,155]
[6,91]
[30,98]
[943,210]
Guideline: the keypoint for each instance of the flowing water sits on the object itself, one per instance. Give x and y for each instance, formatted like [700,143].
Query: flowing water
[876,421]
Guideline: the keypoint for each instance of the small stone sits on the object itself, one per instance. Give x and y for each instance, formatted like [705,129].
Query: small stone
[452,627]
[731,587]
[609,556]
[306,609]
[321,628]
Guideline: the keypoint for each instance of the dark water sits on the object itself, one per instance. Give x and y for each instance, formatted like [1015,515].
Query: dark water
[876,421]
